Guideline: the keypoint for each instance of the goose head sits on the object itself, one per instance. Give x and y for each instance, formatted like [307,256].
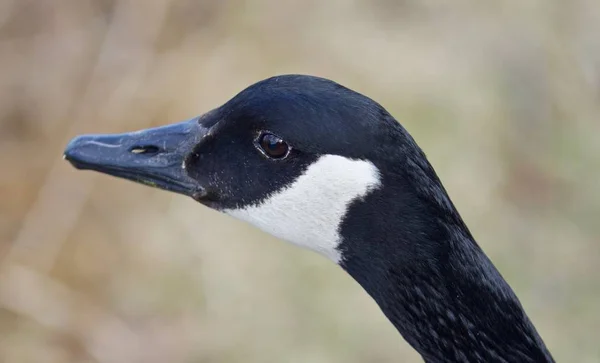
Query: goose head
[290,155]
[326,168]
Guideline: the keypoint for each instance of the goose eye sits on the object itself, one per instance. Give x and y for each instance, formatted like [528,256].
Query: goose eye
[273,146]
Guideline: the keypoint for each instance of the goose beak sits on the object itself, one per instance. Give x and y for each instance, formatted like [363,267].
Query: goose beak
[154,157]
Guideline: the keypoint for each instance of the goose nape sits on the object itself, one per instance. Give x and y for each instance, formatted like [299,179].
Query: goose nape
[326,168]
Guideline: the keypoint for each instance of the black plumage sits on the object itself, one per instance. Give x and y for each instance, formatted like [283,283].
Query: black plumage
[405,242]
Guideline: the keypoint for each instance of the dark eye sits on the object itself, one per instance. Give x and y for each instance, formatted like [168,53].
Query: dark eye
[273,146]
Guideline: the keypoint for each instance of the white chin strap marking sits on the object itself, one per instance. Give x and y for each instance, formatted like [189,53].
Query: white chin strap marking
[309,211]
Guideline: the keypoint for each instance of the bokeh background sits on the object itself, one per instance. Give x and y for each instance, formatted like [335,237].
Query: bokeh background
[503,96]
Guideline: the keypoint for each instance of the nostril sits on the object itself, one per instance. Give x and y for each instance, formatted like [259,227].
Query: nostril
[148,149]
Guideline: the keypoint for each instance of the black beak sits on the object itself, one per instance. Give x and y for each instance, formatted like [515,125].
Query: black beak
[154,157]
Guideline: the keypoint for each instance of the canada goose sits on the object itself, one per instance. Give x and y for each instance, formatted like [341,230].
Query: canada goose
[326,168]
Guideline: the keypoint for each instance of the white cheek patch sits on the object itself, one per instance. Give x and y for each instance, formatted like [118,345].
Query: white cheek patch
[309,211]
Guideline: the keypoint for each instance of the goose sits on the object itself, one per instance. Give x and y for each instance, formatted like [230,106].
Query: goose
[321,166]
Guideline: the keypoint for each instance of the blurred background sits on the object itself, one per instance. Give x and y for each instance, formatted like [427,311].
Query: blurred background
[503,96]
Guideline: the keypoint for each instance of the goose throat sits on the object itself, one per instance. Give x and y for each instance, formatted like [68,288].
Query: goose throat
[310,210]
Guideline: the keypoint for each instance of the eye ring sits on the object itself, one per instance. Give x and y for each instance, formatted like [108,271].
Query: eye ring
[272,146]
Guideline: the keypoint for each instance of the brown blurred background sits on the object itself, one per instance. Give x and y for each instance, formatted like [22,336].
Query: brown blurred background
[503,96]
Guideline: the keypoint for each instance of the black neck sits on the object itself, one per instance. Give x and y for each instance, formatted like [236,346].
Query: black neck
[417,259]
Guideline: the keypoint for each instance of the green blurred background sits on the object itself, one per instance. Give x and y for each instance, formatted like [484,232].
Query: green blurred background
[503,96]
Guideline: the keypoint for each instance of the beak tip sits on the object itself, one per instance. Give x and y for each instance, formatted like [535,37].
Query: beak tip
[72,152]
